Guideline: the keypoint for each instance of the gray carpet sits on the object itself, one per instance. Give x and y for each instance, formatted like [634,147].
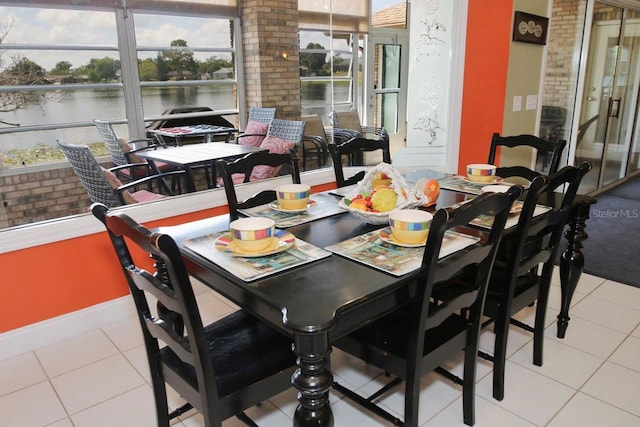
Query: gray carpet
[613,247]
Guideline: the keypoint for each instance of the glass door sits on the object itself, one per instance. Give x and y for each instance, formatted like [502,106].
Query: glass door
[610,100]
[386,98]
[632,40]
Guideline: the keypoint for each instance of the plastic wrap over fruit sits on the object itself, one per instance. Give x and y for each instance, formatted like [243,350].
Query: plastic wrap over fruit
[430,189]
[375,189]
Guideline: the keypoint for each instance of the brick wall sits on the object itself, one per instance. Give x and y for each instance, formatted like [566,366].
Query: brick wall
[566,27]
[40,195]
[48,194]
[271,55]
[565,34]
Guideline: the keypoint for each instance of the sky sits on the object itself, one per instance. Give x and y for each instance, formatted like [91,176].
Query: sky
[60,26]
[377,5]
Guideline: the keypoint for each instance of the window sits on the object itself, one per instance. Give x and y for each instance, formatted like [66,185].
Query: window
[181,64]
[331,42]
[50,83]
[323,88]
[61,68]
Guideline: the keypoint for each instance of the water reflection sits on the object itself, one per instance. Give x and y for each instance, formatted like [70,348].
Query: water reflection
[179,95]
[88,104]
[314,91]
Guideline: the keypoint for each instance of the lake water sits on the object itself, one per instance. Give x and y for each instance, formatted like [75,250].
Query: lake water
[87,105]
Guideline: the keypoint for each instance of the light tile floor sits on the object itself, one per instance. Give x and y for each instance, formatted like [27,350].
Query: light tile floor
[590,378]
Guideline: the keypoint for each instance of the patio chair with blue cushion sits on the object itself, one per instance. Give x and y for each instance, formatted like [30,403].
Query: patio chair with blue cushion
[281,132]
[257,126]
[262,114]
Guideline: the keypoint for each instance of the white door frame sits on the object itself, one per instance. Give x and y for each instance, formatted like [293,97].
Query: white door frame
[393,37]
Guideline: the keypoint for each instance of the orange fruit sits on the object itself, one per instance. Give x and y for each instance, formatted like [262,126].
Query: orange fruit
[431,190]
[360,204]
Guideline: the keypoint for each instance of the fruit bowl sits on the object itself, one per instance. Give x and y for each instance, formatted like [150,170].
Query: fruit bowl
[404,196]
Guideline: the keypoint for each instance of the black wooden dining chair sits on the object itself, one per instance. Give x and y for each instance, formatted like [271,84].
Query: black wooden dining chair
[517,280]
[353,150]
[244,167]
[220,369]
[546,152]
[419,338]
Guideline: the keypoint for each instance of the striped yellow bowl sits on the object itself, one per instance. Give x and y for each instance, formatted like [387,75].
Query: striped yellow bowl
[252,234]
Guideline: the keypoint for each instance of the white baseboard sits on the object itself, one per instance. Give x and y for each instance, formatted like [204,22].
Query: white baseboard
[34,336]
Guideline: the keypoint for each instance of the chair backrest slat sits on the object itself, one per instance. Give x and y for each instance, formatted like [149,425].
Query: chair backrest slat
[244,166]
[108,135]
[353,149]
[480,254]
[549,152]
[314,126]
[150,283]
[537,239]
[289,130]
[90,174]
[472,265]
[178,323]
[262,114]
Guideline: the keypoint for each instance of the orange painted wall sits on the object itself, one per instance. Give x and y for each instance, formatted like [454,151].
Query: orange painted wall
[50,280]
[485,77]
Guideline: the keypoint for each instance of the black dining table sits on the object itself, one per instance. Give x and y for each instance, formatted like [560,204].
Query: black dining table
[315,303]
[189,156]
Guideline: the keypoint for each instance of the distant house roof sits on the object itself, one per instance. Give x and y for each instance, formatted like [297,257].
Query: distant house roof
[393,16]
[222,73]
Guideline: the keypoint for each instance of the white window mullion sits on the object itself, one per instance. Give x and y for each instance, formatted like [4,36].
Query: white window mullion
[239,74]
[129,70]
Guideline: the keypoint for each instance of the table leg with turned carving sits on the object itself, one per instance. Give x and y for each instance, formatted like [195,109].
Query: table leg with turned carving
[313,379]
[572,259]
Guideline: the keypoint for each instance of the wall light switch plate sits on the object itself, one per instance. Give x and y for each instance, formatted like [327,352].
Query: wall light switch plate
[517,103]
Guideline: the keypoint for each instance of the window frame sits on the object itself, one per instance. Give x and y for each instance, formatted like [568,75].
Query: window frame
[354,99]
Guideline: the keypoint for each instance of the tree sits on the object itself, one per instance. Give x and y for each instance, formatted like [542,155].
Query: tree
[103,69]
[313,62]
[148,70]
[26,71]
[179,61]
[62,68]
[18,71]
